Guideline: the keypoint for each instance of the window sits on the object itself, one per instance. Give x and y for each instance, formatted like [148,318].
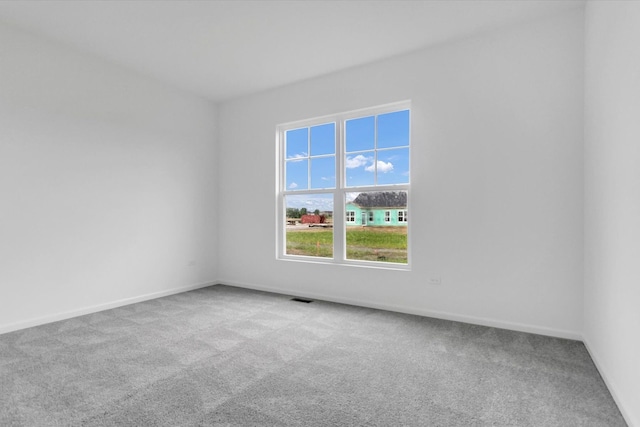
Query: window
[351,216]
[343,187]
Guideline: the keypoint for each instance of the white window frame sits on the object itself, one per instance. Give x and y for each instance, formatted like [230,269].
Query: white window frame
[340,190]
[402,215]
[387,216]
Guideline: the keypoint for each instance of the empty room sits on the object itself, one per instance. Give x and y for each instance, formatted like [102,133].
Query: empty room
[316,213]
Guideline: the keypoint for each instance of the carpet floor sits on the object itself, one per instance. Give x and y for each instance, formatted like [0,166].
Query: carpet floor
[234,357]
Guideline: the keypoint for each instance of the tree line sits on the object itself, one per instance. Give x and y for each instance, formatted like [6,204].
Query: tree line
[297,213]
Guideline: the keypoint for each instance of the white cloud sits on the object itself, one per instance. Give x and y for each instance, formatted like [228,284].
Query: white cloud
[351,196]
[293,185]
[357,161]
[311,202]
[297,157]
[383,167]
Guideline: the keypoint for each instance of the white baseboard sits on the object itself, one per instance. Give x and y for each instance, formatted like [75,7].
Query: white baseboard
[540,330]
[610,385]
[10,327]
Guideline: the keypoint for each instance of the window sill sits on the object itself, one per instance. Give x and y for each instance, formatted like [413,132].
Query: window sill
[358,264]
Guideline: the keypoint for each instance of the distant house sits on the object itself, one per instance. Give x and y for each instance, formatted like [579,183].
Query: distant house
[388,208]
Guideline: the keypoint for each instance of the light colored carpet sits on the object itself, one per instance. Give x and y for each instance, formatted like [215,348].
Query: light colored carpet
[229,356]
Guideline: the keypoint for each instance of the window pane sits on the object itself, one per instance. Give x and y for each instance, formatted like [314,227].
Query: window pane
[351,216]
[393,166]
[393,129]
[323,172]
[360,134]
[359,168]
[323,139]
[297,174]
[370,237]
[309,225]
[297,143]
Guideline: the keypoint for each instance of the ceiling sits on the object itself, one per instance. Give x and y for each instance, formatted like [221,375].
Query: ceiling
[226,49]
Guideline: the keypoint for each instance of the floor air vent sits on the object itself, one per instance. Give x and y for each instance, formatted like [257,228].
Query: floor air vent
[304,300]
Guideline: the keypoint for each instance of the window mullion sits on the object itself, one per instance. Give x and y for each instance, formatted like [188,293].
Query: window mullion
[339,210]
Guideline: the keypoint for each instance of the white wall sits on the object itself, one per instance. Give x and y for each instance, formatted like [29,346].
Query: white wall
[107,189]
[497,180]
[612,198]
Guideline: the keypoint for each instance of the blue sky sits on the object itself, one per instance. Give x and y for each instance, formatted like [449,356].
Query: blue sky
[310,153]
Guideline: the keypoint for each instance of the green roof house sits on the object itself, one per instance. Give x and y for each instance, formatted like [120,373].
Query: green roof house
[378,209]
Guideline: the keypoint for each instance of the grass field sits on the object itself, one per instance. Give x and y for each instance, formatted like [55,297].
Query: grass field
[388,244]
